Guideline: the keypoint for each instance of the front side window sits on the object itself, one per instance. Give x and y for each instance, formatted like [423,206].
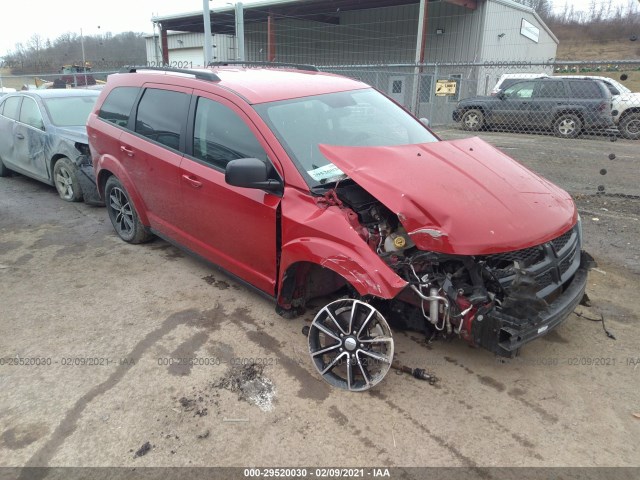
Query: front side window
[69,111]
[162,116]
[118,105]
[352,119]
[520,90]
[220,135]
[30,114]
[12,108]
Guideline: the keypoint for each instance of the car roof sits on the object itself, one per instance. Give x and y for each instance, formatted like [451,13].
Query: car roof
[255,85]
[58,93]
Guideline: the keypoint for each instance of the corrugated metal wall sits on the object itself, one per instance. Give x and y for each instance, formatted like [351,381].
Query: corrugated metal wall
[380,35]
[182,47]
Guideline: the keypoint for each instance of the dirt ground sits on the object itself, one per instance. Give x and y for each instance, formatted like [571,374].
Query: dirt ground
[97,322]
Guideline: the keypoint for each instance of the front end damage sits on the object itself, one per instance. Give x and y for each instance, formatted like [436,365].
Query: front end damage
[86,177]
[474,245]
[498,301]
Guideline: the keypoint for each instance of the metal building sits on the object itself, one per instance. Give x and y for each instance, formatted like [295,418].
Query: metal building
[417,41]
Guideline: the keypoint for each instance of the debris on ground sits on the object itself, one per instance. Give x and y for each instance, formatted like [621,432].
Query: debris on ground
[250,384]
[143,450]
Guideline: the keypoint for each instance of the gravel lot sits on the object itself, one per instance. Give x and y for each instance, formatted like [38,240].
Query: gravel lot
[71,292]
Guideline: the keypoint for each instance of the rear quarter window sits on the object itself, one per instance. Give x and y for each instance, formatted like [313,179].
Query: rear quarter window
[118,105]
[585,89]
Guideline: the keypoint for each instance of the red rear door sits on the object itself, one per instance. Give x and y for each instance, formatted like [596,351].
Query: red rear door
[153,152]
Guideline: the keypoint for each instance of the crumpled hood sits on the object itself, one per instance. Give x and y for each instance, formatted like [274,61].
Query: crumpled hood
[461,197]
[75,134]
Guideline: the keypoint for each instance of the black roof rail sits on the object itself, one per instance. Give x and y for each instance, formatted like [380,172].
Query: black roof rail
[209,76]
[297,66]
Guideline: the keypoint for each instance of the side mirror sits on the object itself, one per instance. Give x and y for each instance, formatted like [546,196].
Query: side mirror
[501,95]
[425,121]
[250,173]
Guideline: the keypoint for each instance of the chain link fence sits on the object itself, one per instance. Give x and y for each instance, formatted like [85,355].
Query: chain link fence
[70,79]
[528,110]
[566,99]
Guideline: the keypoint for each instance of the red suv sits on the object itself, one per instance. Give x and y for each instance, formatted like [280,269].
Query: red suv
[305,184]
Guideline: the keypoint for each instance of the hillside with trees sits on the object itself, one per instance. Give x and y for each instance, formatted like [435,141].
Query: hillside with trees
[104,52]
[604,31]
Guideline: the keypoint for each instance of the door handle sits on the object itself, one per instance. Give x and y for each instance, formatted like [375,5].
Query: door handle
[192,180]
[126,150]
[19,136]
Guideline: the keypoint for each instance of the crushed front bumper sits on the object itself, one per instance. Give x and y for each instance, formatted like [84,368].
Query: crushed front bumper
[87,179]
[504,334]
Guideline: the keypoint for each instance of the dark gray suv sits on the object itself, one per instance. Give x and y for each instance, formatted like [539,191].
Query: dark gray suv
[567,106]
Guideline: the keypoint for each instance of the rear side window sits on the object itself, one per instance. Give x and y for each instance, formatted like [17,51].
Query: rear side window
[162,116]
[118,104]
[551,89]
[585,89]
[12,107]
[220,135]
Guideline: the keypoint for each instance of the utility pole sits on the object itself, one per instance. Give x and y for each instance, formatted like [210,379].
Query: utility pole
[84,62]
[206,14]
[240,30]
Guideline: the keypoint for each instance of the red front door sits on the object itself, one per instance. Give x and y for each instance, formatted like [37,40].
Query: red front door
[232,227]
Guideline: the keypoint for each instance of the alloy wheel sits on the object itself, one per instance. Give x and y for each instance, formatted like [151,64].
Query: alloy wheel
[123,214]
[351,345]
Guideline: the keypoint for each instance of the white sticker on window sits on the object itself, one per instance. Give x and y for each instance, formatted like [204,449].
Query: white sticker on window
[325,172]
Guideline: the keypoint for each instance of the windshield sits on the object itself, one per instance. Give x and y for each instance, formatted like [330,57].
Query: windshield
[355,118]
[621,88]
[70,111]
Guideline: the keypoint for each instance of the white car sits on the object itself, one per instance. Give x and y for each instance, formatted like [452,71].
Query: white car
[625,105]
[5,90]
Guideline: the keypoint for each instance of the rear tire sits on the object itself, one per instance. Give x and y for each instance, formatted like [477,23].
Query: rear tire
[473,120]
[122,213]
[630,126]
[567,125]
[66,180]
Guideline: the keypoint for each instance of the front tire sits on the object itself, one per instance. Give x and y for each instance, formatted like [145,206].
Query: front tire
[122,213]
[473,120]
[66,180]
[630,126]
[567,125]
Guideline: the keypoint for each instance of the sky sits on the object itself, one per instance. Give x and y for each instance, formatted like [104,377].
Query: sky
[52,18]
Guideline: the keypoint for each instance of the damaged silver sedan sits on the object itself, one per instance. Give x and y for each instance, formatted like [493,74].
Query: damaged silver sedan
[43,136]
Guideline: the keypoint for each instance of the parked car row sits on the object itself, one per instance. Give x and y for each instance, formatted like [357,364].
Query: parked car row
[564,105]
[305,184]
[559,103]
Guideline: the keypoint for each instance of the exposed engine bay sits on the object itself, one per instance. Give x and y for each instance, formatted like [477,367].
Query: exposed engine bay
[497,301]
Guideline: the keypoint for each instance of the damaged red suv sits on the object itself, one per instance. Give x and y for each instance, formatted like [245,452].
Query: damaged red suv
[305,184]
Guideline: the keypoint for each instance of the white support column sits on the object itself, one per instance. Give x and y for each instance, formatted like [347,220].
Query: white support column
[422,26]
[206,17]
[240,30]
